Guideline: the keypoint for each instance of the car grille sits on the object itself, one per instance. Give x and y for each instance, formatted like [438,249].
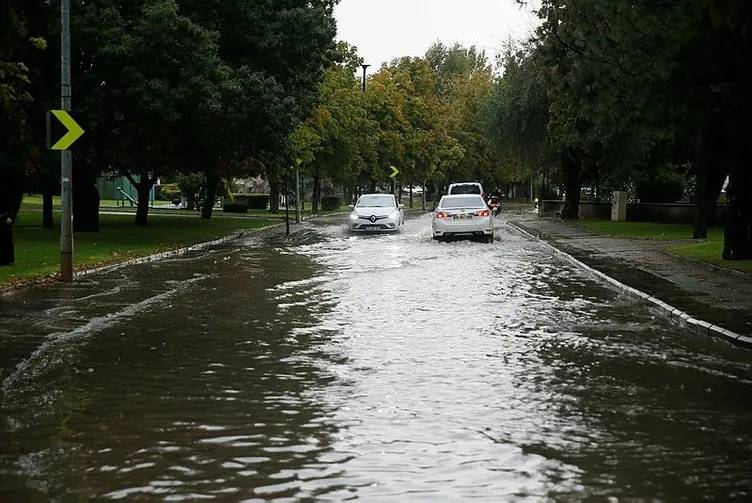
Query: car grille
[369,226]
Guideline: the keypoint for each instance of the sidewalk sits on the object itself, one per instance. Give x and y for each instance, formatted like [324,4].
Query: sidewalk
[719,296]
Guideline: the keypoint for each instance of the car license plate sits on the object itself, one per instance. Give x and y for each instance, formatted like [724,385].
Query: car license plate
[462,217]
[373,227]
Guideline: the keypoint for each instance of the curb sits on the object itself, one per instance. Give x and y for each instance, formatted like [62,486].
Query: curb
[697,326]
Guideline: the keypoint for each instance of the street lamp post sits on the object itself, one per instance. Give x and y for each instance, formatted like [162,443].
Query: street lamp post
[365,67]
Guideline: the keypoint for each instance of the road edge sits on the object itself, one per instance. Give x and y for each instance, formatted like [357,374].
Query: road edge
[697,326]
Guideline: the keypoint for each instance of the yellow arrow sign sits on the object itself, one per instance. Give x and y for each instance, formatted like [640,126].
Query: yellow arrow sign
[395,172]
[74,130]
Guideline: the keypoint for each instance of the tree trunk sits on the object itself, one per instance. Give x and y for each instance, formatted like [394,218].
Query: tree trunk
[142,208]
[573,185]
[273,194]
[709,184]
[436,195]
[85,199]
[7,250]
[718,150]
[48,221]
[316,197]
[737,243]
[411,197]
[423,197]
[212,184]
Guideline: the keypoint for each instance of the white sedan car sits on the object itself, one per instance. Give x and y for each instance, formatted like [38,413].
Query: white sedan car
[376,213]
[465,215]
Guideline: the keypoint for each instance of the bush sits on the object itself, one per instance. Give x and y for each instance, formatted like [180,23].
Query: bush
[193,187]
[330,203]
[665,186]
[168,192]
[235,207]
[253,201]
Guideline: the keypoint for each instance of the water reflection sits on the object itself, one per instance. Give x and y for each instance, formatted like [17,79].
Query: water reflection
[330,366]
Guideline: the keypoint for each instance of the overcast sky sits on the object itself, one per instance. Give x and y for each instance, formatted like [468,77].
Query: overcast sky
[386,29]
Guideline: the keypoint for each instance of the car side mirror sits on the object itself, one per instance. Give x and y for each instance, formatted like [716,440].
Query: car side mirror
[401,206]
[351,206]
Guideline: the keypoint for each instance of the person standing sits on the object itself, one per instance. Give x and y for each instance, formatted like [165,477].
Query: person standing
[10,202]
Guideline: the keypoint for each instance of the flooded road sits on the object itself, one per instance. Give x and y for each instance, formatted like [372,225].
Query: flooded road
[331,366]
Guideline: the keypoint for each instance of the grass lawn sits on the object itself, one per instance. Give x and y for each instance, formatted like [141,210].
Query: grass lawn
[645,230]
[704,250]
[37,249]
[710,251]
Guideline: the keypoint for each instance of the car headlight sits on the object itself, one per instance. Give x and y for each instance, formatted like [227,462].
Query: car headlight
[353,216]
[394,215]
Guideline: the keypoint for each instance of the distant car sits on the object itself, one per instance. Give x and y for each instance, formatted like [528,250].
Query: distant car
[463,215]
[376,213]
[456,189]
[417,189]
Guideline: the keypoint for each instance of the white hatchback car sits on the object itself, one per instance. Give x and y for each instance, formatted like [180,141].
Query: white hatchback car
[376,213]
[465,215]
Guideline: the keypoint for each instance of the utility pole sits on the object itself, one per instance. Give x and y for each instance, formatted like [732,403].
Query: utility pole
[298,216]
[66,161]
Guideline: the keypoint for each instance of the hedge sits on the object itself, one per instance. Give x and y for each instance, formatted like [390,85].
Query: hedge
[253,201]
[330,203]
[167,192]
[235,207]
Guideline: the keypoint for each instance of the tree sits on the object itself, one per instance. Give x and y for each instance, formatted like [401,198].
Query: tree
[516,117]
[14,97]
[660,72]
[332,141]
[150,67]
[276,72]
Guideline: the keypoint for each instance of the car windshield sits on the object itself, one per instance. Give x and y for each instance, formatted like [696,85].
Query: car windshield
[451,203]
[465,189]
[376,202]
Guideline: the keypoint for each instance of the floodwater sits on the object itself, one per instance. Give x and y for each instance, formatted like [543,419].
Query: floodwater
[329,366]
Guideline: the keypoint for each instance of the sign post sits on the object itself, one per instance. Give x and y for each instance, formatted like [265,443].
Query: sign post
[66,161]
[73,133]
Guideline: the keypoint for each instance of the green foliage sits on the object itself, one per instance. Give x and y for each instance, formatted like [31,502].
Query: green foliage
[517,115]
[166,86]
[193,187]
[422,115]
[330,203]
[663,186]
[252,201]
[168,192]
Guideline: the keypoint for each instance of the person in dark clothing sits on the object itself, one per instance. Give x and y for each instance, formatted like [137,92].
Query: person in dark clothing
[7,251]
[10,202]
